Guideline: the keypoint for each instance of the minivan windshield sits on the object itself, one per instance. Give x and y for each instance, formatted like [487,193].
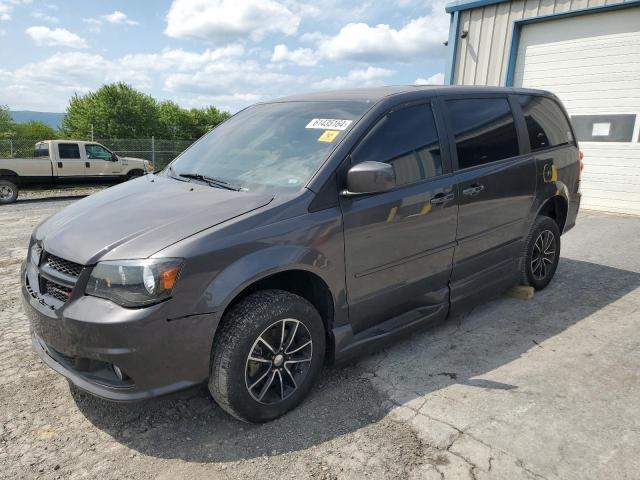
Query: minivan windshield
[273,147]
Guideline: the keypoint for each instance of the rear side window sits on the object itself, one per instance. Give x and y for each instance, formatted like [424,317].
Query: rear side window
[68,150]
[407,139]
[42,150]
[484,130]
[546,123]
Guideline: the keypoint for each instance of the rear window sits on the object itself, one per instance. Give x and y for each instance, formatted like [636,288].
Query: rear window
[547,124]
[484,130]
[41,150]
[68,150]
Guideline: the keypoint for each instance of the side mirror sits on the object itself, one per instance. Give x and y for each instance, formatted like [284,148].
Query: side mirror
[114,157]
[369,177]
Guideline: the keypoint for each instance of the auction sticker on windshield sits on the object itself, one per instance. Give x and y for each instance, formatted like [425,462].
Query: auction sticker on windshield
[328,136]
[329,124]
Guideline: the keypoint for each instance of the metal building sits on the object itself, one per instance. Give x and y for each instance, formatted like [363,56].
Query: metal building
[585,51]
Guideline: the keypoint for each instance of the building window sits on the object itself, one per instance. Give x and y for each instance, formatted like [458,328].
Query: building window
[546,122]
[484,130]
[407,139]
[604,128]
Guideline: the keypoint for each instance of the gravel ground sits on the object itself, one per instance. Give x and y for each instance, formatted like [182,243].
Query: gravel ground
[545,388]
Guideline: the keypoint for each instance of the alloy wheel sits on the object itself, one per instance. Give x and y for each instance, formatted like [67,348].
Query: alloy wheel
[543,255]
[278,361]
[5,192]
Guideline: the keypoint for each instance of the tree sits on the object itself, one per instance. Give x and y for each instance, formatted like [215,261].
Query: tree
[205,119]
[116,110]
[175,121]
[6,122]
[34,130]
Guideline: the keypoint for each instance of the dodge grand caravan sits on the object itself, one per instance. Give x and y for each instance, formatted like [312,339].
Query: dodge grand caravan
[304,229]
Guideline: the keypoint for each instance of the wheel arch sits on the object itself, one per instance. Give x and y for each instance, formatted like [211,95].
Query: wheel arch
[555,208]
[297,280]
[5,172]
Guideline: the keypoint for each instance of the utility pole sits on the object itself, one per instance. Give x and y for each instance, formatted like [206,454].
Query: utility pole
[92,132]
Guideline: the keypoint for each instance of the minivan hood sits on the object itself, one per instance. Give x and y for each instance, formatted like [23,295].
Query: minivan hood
[140,217]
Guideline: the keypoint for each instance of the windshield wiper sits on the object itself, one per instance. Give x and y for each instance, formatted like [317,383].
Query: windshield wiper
[211,181]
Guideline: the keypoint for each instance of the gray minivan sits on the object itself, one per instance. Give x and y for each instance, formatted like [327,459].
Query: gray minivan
[302,230]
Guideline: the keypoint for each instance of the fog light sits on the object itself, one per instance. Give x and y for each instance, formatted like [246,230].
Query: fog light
[118,372]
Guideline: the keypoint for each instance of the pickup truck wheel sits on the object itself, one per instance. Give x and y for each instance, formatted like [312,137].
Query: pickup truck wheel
[266,356]
[134,174]
[8,192]
[542,253]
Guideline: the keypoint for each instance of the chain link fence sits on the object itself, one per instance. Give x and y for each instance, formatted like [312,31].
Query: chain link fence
[157,150]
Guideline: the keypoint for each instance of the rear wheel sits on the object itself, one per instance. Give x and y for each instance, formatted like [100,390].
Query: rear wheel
[8,192]
[542,253]
[267,355]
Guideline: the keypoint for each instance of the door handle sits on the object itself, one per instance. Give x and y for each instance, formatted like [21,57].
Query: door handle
[441,198]
[474,189]
[86,164]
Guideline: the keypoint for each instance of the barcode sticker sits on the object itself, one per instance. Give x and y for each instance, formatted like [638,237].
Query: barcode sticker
[329,124]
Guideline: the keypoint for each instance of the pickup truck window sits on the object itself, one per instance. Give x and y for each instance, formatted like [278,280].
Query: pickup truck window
[97,152]
[41,150]
[68,150]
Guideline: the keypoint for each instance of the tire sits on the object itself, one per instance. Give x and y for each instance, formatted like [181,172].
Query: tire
[134,174]
[541,254]
[8,192]
[261,316]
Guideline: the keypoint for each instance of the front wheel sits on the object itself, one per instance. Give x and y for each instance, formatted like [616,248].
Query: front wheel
[267,355]
[542,253]
[8,192]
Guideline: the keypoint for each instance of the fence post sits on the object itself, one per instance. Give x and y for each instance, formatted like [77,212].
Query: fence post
[153,151]
[11,147]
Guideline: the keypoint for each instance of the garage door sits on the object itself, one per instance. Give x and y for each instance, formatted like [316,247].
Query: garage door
[592,62]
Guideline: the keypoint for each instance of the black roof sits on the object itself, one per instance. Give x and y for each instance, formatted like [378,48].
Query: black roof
[375,94]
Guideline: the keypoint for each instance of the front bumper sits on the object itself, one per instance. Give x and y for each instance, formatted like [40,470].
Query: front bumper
[83,338]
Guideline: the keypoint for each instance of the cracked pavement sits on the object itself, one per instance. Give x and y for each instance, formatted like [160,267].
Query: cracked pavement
[540,389]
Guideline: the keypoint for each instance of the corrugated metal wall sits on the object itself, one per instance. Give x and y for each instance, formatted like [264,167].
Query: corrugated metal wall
[482,57]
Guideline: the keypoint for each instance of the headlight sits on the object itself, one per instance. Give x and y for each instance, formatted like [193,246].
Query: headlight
[134,283]
[35,253]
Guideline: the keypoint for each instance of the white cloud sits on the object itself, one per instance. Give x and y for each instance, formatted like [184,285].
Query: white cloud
[229,75]
[301,56]
[180,60]
[218,76]
[436,79]
[118,17]
[6,6]
[47,37]
[420,38]
[48,84]
[226,21]
[45,17]
[369,77]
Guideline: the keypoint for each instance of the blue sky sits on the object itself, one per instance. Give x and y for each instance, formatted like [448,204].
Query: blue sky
[222,52]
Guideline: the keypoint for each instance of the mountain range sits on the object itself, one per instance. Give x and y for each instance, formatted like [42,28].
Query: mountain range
[53,119]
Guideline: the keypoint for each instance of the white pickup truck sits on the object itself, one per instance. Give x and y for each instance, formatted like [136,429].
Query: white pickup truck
[67,162]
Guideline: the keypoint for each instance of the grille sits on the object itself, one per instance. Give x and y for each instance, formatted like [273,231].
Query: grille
[57,291]
[64,266]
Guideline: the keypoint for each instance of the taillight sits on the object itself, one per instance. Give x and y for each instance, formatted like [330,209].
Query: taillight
[580,157]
